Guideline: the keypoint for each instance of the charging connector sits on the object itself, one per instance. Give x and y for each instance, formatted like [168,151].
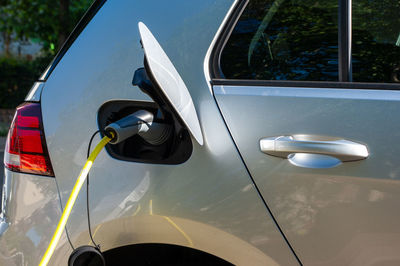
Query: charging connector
[141,123]
[130,125]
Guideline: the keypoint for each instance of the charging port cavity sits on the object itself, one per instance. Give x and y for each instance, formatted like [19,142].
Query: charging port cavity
[159,138]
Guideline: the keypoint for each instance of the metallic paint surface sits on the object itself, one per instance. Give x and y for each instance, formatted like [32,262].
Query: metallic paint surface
[210,197]
[345,215]
[32,211]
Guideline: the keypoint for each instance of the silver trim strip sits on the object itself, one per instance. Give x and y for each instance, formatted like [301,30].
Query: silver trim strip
[35,92]
[387,95]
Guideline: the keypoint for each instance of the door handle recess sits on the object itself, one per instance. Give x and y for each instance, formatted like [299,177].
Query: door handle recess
[343,150]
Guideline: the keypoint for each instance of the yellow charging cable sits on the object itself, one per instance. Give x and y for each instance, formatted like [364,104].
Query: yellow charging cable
[71,200]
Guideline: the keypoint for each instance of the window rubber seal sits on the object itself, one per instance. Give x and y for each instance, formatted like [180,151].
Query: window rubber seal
[306,84]
[214,64]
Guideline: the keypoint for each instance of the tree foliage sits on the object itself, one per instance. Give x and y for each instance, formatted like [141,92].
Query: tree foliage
[47,21]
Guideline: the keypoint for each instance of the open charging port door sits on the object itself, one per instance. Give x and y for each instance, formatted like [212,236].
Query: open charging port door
[172,107]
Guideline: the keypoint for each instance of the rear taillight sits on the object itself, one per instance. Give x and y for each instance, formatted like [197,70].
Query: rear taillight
[26,149]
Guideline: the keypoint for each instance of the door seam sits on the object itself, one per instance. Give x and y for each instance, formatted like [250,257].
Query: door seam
[254,183]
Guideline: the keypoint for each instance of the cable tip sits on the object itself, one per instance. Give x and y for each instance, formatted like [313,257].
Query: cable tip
[108,133]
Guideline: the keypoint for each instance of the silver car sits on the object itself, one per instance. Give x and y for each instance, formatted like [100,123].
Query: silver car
[281,119]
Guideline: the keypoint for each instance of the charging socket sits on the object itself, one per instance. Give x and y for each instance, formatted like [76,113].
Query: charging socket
[176,149]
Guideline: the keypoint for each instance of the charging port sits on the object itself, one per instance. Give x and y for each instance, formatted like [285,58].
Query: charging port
[176,149]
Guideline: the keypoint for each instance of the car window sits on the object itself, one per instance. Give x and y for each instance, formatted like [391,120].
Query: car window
[284,40]
[298,40]
[376,41]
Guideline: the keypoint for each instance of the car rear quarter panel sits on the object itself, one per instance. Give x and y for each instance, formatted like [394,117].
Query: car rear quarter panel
[209,202]
[31,210]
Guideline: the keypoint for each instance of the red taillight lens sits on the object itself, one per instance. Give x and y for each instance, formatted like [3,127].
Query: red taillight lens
[26,149]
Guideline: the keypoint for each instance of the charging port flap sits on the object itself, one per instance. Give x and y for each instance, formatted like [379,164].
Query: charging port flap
[170,84]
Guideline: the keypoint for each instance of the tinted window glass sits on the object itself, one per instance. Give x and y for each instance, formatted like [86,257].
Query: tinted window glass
[284,40]
[376,41]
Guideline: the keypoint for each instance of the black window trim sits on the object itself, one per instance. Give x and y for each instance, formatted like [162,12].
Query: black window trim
[345,66]
[83,22]
[215,63]
[344,40]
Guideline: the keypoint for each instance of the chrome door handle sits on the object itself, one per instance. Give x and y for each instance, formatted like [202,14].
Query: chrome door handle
[343,150]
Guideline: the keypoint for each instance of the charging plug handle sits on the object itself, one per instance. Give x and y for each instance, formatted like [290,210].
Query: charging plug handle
[141,123]
[130,125]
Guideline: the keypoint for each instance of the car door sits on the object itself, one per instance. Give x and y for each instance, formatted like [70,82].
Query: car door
[316,119]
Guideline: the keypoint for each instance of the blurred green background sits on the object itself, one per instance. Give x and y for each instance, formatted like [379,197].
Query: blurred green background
[32,31]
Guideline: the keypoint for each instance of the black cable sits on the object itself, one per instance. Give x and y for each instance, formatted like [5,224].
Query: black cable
[87,193]
[69,240]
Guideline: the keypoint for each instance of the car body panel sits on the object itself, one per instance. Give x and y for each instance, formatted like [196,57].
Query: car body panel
[345,215]
[155,228]
[211,192]
[32,210]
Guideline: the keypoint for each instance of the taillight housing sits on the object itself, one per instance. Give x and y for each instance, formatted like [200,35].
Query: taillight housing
[26,149]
